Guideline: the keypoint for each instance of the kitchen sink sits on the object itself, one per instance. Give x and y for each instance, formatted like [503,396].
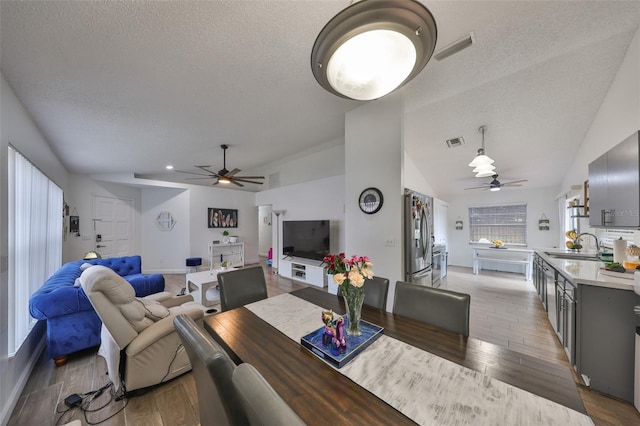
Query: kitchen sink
[575,256]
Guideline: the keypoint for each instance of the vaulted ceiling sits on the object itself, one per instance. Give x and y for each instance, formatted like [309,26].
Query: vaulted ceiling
[128,87]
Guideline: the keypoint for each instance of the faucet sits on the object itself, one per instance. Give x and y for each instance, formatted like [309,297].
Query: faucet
[595,238]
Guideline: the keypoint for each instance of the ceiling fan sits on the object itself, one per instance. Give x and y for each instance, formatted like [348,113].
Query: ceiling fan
[495,184]
[223,175]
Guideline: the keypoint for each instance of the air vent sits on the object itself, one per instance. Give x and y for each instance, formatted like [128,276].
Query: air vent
[455,47]
[455,142]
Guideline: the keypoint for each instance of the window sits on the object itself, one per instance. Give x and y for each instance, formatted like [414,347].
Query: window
[35,240]
[507,223]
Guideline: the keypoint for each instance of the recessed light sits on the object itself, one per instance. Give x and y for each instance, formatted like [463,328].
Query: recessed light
[169,167]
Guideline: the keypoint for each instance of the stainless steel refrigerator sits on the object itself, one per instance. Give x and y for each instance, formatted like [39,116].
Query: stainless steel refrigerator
[418,238]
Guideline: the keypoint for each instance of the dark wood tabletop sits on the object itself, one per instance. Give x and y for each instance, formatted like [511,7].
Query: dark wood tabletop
[319,394]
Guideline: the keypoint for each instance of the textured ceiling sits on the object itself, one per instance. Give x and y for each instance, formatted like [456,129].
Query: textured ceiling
[127,87]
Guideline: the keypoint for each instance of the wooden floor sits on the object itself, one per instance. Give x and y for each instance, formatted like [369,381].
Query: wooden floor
[505,310]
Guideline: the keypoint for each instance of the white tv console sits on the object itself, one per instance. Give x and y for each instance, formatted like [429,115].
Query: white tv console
[307,271]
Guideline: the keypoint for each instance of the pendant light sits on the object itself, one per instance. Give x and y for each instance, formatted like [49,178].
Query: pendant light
[485,170]
[482,163]
[373,47]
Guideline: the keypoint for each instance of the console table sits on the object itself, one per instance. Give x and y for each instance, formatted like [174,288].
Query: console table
[508,256]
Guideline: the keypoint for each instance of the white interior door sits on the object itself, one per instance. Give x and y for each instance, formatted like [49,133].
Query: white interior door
[113,218]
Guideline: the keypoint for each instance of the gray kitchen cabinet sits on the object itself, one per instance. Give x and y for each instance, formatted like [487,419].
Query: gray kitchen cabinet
[544,276]
[566,301]
[614,182]
[606,339]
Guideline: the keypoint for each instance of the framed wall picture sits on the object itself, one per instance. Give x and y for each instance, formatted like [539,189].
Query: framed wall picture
[222,218]
[74,223]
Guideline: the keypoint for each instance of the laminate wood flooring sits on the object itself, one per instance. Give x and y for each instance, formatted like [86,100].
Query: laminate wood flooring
[505,310]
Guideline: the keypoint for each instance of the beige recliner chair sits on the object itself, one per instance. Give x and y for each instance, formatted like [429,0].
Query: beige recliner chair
[139,329]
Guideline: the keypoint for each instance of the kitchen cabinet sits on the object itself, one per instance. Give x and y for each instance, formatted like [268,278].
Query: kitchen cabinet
[558,296]
[539,279]
[614,181]
[606,338]
[566,315]
[440,214]
[544,276]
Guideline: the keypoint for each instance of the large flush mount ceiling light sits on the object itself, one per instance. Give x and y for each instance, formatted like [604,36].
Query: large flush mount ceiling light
[373,47]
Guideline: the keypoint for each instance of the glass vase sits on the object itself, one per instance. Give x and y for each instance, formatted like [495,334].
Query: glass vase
[353,298]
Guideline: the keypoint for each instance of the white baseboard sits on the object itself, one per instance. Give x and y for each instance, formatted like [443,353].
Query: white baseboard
[11,402]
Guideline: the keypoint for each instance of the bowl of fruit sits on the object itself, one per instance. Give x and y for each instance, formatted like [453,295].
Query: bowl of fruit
[574,240]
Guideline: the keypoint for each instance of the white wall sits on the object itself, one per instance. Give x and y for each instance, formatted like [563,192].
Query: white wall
[617,118]
[413,177]
[321,161]
[374,156]
[16,128]
[200,199]
[321,199]
[165,251]
[538,201]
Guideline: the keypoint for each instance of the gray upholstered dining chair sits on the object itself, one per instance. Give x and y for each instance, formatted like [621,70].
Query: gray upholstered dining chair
[375,292]
[443,308]
[218,400]
[240,287]
[262,404]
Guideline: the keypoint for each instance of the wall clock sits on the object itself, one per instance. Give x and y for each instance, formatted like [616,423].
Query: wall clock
[370,200]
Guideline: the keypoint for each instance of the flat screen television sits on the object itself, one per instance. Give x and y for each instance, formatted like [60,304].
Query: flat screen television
[308,239]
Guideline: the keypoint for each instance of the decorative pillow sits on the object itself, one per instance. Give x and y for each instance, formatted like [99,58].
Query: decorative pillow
[77,282]
[153,309]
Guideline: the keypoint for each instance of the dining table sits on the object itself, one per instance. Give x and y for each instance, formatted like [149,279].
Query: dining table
[415,373]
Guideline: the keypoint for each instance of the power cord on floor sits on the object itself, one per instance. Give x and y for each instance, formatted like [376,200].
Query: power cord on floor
[83,402]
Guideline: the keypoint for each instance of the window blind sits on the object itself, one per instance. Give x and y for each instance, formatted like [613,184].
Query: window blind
[507,223]
[35,240]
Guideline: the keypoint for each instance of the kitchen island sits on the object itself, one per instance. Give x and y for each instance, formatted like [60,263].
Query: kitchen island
[592,314]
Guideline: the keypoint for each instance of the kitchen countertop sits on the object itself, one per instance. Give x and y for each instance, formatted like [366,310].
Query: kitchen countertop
[586,272]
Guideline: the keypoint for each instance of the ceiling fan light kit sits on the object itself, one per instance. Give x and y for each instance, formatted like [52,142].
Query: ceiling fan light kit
[373,47]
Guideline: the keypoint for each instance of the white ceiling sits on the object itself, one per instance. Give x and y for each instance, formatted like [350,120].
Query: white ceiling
[128,87]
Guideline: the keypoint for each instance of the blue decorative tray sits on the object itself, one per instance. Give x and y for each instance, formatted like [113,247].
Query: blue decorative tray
[355,345]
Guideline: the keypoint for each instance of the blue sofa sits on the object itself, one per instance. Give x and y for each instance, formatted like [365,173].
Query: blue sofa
[72,323]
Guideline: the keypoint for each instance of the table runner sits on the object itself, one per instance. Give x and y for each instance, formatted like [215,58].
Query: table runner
[424,387]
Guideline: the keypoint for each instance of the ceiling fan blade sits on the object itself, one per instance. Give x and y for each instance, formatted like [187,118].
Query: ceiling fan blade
[232,172]
[208,177]
[246,181]
[191,173]
[515,181]
[249,177]
[207,170]
[479,187]
[517,184]
[235,182]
